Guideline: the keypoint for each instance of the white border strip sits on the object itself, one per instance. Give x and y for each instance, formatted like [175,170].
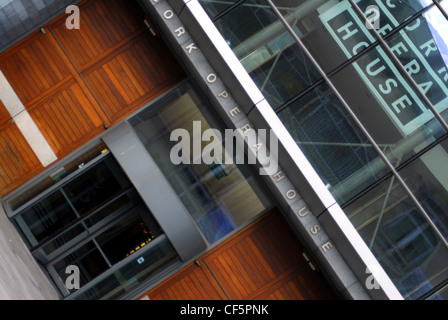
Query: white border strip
[25,123]
[294,151]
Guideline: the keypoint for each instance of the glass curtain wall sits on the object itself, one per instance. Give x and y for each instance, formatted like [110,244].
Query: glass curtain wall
[220,195]
[368,108]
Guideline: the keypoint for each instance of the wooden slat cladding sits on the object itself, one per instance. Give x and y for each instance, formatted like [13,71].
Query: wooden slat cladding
[262,262]
[74,83]
[132,77]
[17,160]
[257,257]
[34,67]
[105,26]
[63,120]
[121,62]
[189,284]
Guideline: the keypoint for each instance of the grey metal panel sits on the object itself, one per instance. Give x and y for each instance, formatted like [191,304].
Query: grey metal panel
[20,17]
[155,191]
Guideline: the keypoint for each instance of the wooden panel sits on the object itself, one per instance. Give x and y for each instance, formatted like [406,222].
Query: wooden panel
[256,258]
[64,121]
[189,284]
[133,76]
[17,161]
[262,262]
[34,67]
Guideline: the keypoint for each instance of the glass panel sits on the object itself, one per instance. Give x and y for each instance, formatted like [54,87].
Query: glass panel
[111,210]
[56,176]
[385,16]
[422,49]
[126,237]
[96,186]
[324,26]
[334,32]
[339,152]
[267,51]
[442,294]
[219,196]
[63,239]
[89,261]
[148,265]
[120,202]
[389,108]
[401,238]
[215,7]
[47,217]
[428,179]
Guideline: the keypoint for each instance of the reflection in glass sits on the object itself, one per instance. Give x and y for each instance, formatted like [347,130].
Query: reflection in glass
[388,107]
[219,197]
[322,26]
[339,152]
[391,15]
[334,32]
[422,50]
[401,238]
[267,51]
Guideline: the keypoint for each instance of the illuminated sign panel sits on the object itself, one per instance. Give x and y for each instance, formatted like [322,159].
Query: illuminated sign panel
[415,46]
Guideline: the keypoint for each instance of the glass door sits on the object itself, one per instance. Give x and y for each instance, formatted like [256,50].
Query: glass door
[96,221]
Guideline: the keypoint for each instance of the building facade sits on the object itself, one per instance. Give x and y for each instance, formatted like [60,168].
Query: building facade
[350,204]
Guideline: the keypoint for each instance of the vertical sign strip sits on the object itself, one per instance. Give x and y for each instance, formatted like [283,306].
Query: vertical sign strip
[25,123]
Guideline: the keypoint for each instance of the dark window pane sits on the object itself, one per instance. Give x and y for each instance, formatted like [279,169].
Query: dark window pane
[47,217]
[89,261]
[96,186]
[126,237]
